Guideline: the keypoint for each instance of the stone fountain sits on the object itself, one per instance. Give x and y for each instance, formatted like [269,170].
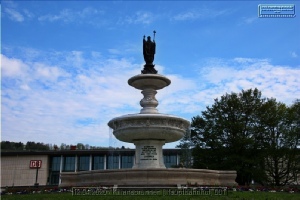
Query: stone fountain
[149,130]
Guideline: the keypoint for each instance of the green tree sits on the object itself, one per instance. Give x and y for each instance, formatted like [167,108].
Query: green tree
[63,146]
[226,132]
[281,139]
[36,146]
[257,137]
[80,146]
[7,145]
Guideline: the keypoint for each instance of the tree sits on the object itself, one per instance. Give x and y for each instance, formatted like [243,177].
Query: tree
[281,140]
[36,146]
[255,136]
[7,145]
[80,146]
[63,146]
[226,132]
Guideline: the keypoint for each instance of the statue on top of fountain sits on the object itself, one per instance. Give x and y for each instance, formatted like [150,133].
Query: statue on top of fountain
[149,51]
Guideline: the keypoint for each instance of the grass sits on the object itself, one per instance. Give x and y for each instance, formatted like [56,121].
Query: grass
[231,196]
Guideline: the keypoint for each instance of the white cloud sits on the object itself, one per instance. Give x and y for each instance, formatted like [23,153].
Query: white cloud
[56,103]
[189,15]
[89,11]
[48,72]
[140,17]
[114,51]
[14,15]
[294,54]
[201,13]
[75,58]
[12,67]
[65,15]
[280,82]
[25,87]
[72,16]
[28,13]
[249,20]
[55,111]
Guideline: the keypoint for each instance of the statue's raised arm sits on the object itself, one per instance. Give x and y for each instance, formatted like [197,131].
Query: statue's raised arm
[148,52]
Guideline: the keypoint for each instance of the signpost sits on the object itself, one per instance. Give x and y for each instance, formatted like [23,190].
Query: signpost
[36,164]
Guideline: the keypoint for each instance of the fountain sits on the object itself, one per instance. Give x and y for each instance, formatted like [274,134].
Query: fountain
[149,130]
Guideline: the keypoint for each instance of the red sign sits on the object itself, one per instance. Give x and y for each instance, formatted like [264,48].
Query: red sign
[35,164]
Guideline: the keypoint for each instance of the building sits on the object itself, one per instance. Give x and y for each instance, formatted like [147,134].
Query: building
[26,168]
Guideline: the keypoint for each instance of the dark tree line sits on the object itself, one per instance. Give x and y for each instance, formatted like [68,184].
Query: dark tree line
[7,145]
[30,146]
[258,137]
[19,146]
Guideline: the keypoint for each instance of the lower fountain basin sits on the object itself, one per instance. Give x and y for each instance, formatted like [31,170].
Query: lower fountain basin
[129,128]
[149,177]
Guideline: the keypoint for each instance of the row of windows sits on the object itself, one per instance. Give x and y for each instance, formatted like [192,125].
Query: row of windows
[83,162]
[98,162]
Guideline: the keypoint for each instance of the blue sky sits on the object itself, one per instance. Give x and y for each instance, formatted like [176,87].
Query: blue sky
[65,65]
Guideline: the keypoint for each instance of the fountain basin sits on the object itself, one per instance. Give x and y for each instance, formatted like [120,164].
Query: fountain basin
[148,132]
[149,177]
[154,81]
[129,128]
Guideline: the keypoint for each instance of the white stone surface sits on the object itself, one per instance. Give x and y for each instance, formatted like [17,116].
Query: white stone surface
[169,128]
[143,81]
[149,83]
[148,154]
[149,177]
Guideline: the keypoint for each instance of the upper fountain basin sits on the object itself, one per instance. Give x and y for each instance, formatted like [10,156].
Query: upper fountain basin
[144,81]
[129,128]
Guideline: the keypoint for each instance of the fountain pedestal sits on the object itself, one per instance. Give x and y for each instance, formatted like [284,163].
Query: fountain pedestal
[148,154]
[149,83]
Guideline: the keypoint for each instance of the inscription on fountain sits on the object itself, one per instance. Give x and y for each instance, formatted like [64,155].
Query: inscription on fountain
[149,153]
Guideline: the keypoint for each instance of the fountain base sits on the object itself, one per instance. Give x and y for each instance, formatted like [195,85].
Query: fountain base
[149,177]
[148,154]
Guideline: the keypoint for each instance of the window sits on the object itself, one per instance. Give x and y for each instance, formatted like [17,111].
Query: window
[98,162]
[69,164]
[55,166]
[113,162]
[126,162]
[170,160]
[83,163]
[54,171]
[54,178]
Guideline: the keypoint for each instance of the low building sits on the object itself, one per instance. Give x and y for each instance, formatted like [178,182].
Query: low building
[26,168]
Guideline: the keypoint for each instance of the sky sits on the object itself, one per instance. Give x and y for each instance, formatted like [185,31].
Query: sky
[65,64]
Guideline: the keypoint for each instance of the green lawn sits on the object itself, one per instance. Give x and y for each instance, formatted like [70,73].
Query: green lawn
[231,195]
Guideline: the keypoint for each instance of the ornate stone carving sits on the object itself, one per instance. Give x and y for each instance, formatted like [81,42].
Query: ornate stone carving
[149,102]
[146,122]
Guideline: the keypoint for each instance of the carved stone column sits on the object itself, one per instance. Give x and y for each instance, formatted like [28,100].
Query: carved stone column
[149,102]
[149,83]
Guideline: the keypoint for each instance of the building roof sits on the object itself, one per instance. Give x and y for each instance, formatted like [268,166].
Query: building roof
[80,152]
